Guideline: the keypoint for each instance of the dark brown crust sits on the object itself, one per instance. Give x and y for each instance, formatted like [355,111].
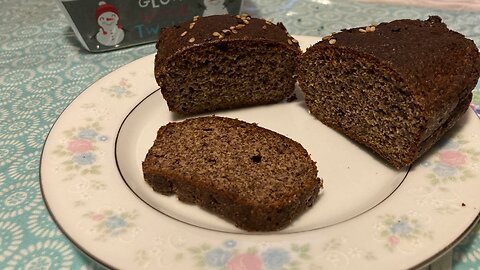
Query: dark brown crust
[227,194]
[436,67]
[171,42]
[457,113]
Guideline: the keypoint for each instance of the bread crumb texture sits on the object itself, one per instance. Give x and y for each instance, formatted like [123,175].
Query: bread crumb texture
[256,178]
[395,87]
[224,62]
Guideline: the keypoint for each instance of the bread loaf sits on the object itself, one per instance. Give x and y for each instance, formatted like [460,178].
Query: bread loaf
[223,62]
[256,178]
[396,87]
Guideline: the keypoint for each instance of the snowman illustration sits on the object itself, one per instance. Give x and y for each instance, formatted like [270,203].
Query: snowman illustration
[110,32]
[214,7]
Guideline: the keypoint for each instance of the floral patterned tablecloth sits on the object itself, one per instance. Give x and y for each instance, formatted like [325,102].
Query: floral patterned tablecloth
[43,68]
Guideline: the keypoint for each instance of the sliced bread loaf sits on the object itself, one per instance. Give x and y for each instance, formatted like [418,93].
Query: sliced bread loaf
[256,178]
[396,87]
[223,62]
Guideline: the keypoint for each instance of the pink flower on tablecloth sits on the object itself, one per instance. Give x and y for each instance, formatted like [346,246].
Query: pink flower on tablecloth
[80,146]
[245,261]
[393,240]
[97,217]
[452,158]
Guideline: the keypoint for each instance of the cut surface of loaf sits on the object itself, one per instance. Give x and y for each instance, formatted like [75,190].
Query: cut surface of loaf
[224,62]
[251,176]
[396,87]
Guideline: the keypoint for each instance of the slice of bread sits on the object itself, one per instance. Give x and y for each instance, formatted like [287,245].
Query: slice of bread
[256,178]
[396,87]
[224,62]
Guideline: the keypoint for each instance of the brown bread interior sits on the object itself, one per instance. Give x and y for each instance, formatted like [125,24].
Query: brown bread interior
[258,179]
[367,101]
[396,87]
[228,74]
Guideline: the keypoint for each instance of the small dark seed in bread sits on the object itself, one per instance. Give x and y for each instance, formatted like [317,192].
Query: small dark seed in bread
[256,178]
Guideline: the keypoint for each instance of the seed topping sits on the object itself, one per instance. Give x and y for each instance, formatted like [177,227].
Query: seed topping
[367,29]
[326,37]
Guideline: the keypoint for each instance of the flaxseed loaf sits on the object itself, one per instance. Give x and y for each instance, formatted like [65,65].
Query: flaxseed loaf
[396,87]
[223,62]
[256,178]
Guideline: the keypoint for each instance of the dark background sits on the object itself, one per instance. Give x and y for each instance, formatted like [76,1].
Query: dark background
[133,18]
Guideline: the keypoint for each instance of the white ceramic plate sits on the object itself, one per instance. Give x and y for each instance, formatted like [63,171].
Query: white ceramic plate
[369,216]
